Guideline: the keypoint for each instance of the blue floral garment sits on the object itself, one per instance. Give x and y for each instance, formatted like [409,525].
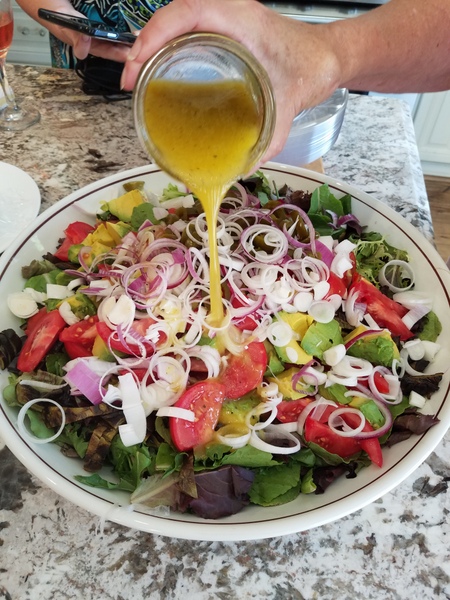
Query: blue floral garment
[121,14]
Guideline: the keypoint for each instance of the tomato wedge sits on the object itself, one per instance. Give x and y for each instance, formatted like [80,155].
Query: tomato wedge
[75,350]
[75,234]
[288,411]
[205,400]
[337,285]
[326,438]
[140,326]
[34,321]
[246,323]
[82,333]
[371,446]
[386,312]
[39,341]
[244,372]
[380,383]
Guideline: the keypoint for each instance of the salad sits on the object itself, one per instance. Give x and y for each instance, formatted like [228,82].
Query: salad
[316,370]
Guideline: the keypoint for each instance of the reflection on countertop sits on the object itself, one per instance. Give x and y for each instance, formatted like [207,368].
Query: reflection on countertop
[52,549]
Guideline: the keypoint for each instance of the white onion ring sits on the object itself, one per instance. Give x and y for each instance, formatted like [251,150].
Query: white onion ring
[24,431]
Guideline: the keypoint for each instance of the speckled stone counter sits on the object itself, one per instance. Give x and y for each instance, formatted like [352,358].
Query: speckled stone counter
[398,547]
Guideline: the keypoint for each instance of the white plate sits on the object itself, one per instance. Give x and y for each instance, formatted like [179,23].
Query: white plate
[344,496]
[20,200]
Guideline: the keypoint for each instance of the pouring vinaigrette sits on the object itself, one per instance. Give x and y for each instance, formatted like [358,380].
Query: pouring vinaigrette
[204,111]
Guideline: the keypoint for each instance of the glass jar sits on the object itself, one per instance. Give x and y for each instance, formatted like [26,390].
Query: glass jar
[208,61]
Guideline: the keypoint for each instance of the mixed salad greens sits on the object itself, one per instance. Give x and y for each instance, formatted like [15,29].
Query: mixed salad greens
[318,366]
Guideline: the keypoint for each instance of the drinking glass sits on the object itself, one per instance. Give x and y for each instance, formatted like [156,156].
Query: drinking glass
[13,117]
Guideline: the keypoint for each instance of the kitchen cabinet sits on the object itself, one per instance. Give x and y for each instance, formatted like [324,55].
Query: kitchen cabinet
[432,126]
[30,42]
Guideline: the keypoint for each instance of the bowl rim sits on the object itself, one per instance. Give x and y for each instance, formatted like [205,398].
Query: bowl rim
[187,526]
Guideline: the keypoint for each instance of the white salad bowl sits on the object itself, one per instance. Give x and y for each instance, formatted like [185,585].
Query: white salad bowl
[344,496]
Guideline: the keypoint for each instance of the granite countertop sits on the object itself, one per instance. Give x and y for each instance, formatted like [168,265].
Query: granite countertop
[51,549]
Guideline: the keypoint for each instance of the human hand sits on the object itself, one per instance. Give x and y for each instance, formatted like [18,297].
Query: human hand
[82,44]
[298,57]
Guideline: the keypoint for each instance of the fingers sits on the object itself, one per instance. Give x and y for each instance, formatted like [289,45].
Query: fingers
[81,45]
[177,18]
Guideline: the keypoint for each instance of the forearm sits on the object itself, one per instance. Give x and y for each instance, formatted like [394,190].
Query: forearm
[402,46]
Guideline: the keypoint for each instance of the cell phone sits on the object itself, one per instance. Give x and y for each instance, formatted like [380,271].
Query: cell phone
[95,29]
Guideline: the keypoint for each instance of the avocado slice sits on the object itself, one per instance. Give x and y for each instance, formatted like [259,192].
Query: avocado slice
[100,350]
[378,348]
[292,352]
[235,411]
[123,206]
[321,337]
[284,382]
[274,364]
[118,230]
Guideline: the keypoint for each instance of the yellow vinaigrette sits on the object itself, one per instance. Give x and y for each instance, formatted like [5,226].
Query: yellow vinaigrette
[205,133]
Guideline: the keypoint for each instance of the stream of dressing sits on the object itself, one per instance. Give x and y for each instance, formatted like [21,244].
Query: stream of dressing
[205,133]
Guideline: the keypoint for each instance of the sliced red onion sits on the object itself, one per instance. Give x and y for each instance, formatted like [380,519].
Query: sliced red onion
[339,426]
[135,430]
[273,238]
[361,336]
[431,349]
[354,313]
[325,254]
[415,314]
[341,264]
[406,267]
[87,381]
[376,433]
[394,396]
[176,412]
[350,366]
[417,400]
[415,348]
[279,333]
[349,381]
[42,385]
[411,299]
[334,355]
[322,311]
[351,220]
[226,435]
[24,431]
[319,403]
[321,289]
[303,301]
[271,432]
[306,220]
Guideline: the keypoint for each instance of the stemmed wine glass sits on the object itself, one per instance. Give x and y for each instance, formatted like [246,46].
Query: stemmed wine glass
[12,117]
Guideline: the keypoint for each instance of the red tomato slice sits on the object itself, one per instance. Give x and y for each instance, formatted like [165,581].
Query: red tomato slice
[370,446]
[337,285]
[244,372]
[75,234]
[40,340]
[288,411]
[326,438]
[386,312]
[63,251]
[76,350]
[205,400]
[34,321]
[380,383]
[140,326]
[82,333]
[246,323]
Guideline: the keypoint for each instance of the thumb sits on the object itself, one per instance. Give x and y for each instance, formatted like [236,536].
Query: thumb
[81,46]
